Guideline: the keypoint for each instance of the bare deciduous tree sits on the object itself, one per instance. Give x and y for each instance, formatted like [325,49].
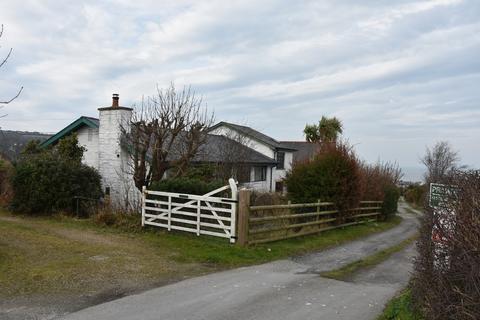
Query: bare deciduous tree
[2,63]
[165,134]
[234,153]
[440,161]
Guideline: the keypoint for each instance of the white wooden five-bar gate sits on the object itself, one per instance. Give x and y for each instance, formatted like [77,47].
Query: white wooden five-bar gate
[201,214]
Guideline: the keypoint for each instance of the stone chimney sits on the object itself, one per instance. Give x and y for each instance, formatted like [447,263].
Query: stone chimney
[113,158]
[115,98]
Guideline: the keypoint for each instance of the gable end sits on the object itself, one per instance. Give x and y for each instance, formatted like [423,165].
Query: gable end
[82,121]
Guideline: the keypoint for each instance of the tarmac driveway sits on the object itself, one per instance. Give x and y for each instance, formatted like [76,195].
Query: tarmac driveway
[285,289]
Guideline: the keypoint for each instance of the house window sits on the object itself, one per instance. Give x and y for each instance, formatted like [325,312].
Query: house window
[259,173]
[281,160]
[90,134]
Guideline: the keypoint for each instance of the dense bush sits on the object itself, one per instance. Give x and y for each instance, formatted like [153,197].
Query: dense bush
[186,185]
[204,172]
[47,181]
[333,175]
[415,194]
[380,184]
[6,174]
[390,200]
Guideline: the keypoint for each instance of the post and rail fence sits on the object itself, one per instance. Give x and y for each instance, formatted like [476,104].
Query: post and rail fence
[238,220]
[268,223]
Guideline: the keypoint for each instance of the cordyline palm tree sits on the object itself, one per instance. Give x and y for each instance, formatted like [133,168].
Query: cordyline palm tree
[327,130]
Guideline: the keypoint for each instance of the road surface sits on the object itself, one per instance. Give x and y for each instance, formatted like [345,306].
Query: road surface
[285,289]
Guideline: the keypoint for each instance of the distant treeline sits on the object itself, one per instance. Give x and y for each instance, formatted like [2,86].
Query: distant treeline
[13,142]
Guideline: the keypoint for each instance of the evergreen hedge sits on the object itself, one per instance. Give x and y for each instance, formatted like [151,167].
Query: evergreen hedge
[47,180]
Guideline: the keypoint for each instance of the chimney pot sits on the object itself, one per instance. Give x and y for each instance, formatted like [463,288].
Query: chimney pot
[115,98]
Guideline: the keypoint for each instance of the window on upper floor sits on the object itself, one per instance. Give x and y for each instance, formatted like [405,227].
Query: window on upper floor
[259,174]
[280,160]
[90,134]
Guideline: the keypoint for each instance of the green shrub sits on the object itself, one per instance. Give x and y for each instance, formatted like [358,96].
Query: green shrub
[186,185]
[390,200]
[401,307]
[47,181]
[415,194]
[333,176]
[6,175]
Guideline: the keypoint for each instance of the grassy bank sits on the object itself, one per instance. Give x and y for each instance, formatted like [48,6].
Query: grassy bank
[350,269]
[400,308]
[61,254]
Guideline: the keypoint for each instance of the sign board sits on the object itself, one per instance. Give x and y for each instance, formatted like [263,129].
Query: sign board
[441,194]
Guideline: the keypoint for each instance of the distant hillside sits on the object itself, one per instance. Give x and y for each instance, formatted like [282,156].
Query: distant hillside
[13,142]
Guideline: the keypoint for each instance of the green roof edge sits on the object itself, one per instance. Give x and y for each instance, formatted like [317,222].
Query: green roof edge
[68,129]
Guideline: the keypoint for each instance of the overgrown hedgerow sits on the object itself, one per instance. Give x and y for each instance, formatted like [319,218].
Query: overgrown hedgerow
[446,281]
[336,175]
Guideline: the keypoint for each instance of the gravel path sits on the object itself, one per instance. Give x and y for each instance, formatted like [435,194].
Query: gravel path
[285,289]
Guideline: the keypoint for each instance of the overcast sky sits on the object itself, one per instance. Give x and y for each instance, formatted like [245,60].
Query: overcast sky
[399,74]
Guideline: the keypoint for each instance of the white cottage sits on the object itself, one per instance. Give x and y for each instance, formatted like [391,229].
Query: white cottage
[267,158]
[101,139]
[268,176]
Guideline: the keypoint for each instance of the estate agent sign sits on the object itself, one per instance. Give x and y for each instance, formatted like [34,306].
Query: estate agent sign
[441,194]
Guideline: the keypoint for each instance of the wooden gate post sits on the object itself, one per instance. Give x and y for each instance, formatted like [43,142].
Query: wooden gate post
[243,215]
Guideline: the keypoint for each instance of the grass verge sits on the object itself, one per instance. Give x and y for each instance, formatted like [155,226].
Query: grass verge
[55,255]
[350,269]
[400,308]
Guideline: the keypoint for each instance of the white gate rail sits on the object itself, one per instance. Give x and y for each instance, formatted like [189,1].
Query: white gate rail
[200,214]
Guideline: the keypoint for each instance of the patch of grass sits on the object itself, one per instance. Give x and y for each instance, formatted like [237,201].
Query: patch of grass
[400,308]
[42,255]
[350,269]
[190,248]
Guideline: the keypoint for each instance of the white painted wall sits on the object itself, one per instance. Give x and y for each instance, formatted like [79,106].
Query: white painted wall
[113,160]
[88,138]
[280,174]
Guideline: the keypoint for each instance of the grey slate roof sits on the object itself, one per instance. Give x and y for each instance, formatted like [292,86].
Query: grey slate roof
[305,150]
[217,148]
[252,133]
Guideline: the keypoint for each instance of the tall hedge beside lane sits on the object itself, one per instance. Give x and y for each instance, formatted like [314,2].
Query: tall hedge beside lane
[335,174]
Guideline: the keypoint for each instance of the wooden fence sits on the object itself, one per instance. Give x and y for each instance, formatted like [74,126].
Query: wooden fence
[200,214]
[261,224]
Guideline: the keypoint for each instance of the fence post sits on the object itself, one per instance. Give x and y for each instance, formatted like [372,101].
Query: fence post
[198,217]
[144,196]
[233,223]
[243,216]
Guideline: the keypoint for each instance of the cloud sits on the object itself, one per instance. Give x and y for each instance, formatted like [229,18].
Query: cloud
[401,75]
